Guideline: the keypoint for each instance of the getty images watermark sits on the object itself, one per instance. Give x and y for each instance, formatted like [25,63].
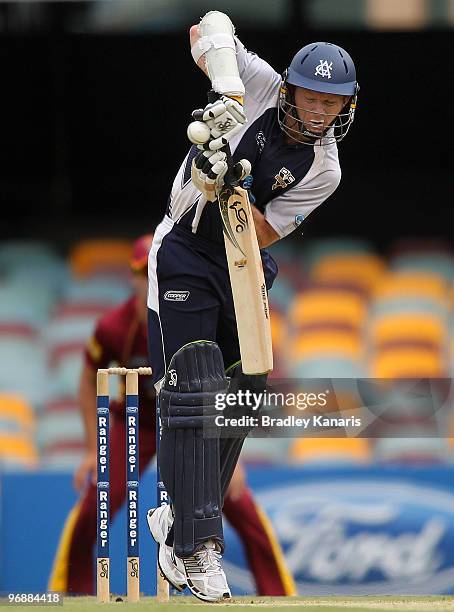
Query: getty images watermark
[342,407]
[248,403]
[250,399]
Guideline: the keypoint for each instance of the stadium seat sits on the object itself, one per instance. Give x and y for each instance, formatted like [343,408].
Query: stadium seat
[24,368]
[329,342]
[363,270]
[16,414]
[61,434]
[330,450]
[319,306]
[17,430]
[417,285]
[102,256]
[395,329]
[107,290]
[408,363]
[316,250]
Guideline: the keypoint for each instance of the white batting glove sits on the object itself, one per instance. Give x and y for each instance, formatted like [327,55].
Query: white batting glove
[225,118]
[208,170]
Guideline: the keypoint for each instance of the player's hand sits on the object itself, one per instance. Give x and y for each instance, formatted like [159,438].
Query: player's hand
[86,472]
[209,169]
[225,118]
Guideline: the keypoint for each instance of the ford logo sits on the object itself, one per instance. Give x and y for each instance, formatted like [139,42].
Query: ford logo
[358,536]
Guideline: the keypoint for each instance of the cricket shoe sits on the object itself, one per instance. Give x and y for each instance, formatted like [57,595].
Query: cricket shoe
[204,574]
[160,521]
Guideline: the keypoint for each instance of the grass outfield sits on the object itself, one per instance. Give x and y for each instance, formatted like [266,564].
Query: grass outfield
[242,604]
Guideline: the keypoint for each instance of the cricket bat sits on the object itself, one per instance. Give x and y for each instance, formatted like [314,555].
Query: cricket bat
[250,296]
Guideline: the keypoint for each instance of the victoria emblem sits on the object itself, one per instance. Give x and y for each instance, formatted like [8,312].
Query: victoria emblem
[323,69]
[283,179]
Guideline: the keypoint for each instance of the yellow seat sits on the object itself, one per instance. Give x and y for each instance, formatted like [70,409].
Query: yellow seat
[15,408]
[408,326]
[411,284]
[318,307]
[93,256]
[304,450]
[408,363]
[278,330]
[310,343]
[18,449]
[363,270]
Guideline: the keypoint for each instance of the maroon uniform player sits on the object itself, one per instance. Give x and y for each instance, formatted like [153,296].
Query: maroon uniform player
[120,337]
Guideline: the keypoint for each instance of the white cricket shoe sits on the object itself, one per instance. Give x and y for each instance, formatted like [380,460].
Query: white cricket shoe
[160,521]
[204,575]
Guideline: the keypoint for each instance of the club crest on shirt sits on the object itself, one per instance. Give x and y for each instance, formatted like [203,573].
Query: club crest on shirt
[283,179]
[323,69]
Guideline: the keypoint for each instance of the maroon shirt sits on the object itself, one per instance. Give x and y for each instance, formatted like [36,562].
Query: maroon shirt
[120,339]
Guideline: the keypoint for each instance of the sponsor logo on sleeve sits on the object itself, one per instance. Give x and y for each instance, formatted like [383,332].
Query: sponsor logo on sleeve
[298,220]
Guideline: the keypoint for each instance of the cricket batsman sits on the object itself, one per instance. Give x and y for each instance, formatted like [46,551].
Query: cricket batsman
[283,130]
[120,338]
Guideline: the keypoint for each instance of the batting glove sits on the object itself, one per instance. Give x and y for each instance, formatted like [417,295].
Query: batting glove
[225,118]
[208,170]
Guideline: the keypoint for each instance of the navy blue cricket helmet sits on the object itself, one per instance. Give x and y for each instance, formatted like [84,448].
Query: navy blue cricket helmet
[326,68]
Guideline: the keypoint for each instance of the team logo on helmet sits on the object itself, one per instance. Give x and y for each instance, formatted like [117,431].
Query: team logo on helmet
[283,179]
[323,69]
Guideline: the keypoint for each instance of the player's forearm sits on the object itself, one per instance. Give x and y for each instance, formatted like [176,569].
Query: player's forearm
[87,404]
[266,235]
[193,38]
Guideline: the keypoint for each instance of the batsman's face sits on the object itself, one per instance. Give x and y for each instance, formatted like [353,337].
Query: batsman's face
[317,110]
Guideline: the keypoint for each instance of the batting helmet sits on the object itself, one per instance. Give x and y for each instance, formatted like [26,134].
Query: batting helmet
[325,68]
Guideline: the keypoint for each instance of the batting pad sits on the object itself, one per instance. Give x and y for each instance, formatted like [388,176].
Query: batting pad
[189,462]
[230,448]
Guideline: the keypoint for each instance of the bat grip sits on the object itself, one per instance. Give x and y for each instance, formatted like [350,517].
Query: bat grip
[229,178]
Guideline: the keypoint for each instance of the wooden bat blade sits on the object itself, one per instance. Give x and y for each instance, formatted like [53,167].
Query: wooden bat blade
[247,281]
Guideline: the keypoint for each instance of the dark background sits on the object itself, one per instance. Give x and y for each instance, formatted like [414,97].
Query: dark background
[94,130]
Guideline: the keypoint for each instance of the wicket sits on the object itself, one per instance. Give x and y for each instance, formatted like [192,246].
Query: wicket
[162,586]
[132,481]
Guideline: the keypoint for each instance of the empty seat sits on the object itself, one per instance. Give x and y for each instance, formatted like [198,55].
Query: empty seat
[61,434]
[363,270]
[316,250]
[415,285]
[17,430]
[395,329]
[330,450]
[94,257]
[16,414]
[321,306]
[408,363]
